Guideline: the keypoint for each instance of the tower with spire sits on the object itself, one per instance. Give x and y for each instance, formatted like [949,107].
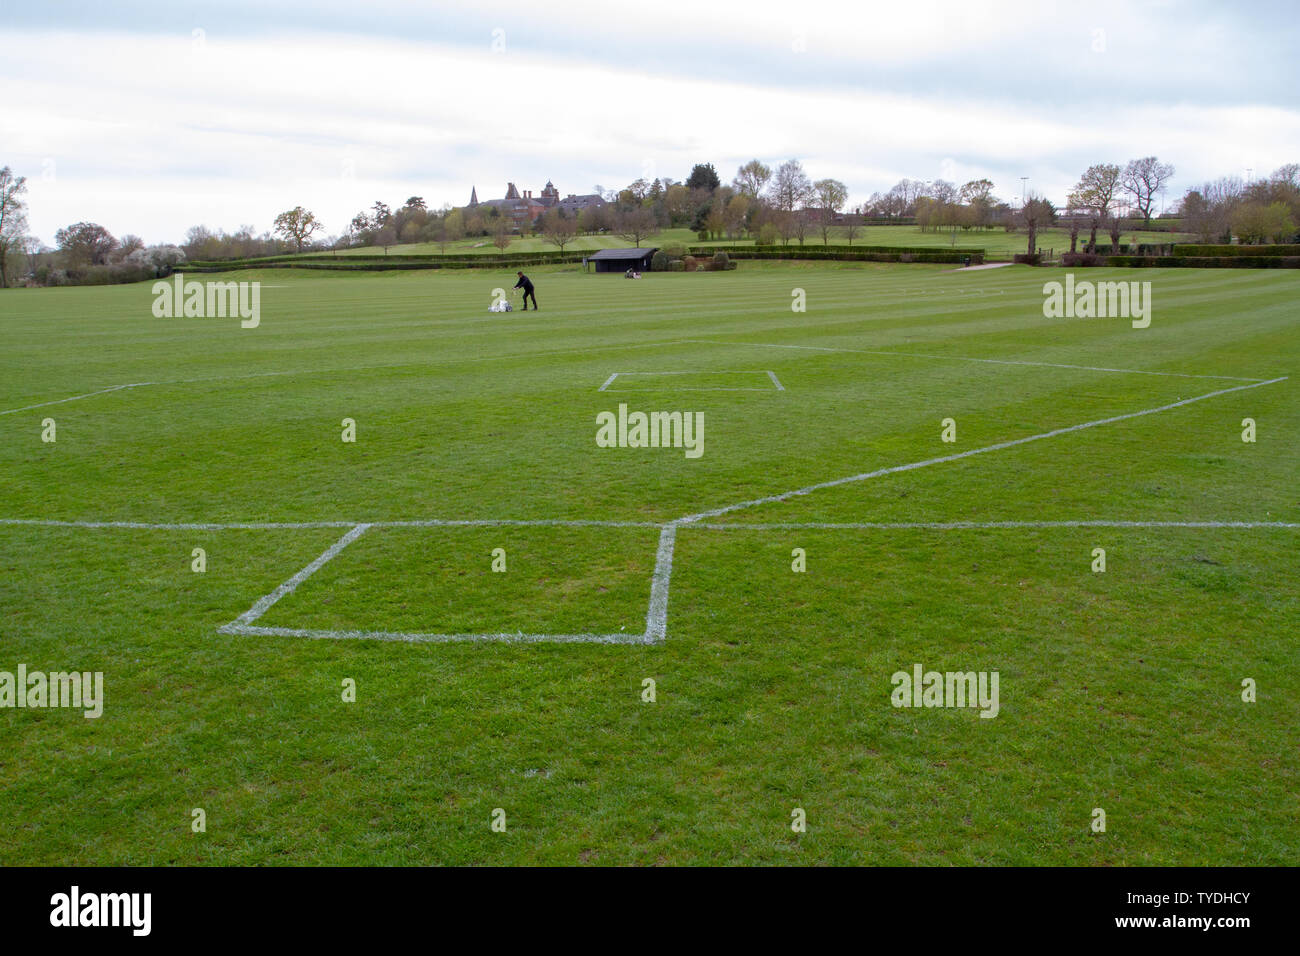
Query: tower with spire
[473,196]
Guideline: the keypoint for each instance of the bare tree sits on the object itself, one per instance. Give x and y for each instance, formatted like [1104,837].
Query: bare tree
[1095,192]
[1143,179]
[736,214]
[752,178]
[790,191]
[635,225]
[790,188]
[13,222]
[385,236]
[501,237]
[1037,213]
[831,196]
[558,229]
[296,225]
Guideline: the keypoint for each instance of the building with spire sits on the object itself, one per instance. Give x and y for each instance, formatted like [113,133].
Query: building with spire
[523,208]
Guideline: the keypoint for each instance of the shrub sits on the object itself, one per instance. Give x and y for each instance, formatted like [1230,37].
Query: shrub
[1025,259]
[676,265]
[659,262]
[767,235]
[1082,259]
[690,262]
[720,260]
[699,268]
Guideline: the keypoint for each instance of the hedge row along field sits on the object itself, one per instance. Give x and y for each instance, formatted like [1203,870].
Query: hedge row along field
[1207,262]
[809,251]
[383,263]
[489,261]
[1187,249]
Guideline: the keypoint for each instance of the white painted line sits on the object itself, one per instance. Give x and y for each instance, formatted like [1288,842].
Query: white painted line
[422,638]
[985,525]
[958,358]
[565,523]
[74,398]
[700,388]
[656,618]
[178,526]
[265,603]
[350,368]
[894,469]
[301,525]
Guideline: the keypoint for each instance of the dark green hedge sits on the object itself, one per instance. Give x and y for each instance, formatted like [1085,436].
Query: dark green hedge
[1206,262]
[1187,249]
[804,251]
[342,264]
[486,258]
[822,255]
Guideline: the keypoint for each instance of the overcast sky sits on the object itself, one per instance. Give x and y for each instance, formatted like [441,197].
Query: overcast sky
[153,117]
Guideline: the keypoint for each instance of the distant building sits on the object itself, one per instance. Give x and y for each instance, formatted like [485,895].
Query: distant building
[572,205]
[524,209]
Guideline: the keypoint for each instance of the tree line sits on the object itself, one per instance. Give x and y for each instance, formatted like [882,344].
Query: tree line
[764,204]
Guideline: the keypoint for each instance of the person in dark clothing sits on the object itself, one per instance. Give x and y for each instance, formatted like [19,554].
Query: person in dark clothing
[525,284]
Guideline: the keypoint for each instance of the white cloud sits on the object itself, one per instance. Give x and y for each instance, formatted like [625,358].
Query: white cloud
[151,133]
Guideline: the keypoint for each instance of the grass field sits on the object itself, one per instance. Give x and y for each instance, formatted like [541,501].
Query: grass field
[1118,690]
[997,242]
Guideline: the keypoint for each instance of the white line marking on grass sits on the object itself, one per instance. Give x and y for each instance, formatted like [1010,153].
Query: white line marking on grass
[265,603]
[348,368]
[657,612]
[300,525]
[422,638]
[959,358]
[894,469]
[701,388]
[986,525]
[74,398]
[656,618]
